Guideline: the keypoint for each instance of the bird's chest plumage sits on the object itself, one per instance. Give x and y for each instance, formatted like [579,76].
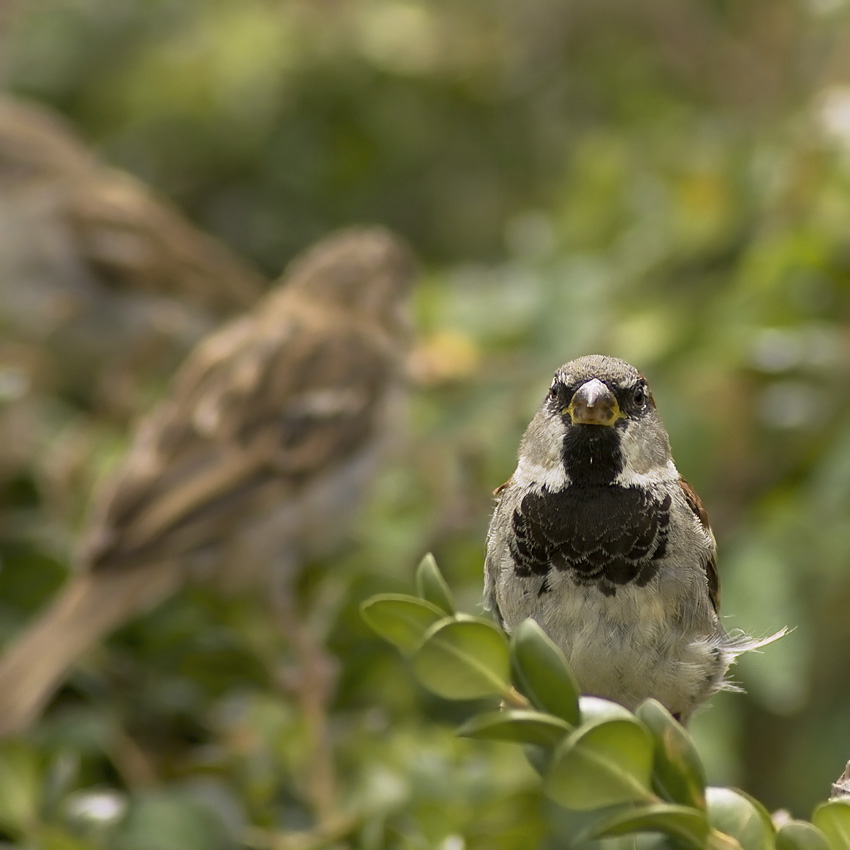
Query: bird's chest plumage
[615,575]
[601,535]
[633,645]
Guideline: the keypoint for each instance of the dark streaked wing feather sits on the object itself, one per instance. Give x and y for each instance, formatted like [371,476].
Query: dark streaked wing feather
[696,505]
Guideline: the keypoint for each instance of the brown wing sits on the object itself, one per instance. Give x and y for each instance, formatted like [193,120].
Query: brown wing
[137,241]
[104,285]
[696,505]
[131,238]
[501,488]
[257,403]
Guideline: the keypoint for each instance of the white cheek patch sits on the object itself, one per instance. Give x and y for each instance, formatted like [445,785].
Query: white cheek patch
[528,474]
[540,461]
[630,477]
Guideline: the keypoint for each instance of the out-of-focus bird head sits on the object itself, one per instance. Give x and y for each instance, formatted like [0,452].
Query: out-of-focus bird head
[36,144]
[366,271]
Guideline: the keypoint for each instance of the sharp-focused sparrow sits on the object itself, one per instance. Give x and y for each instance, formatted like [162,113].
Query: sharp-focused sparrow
[256,458]
[598,538]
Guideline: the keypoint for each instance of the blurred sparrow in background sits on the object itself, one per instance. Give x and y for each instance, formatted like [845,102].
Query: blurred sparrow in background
[599,539]
[256,459]
[104,289]
[100,280]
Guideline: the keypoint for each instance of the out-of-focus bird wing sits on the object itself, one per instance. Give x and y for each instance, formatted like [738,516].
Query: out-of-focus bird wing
[129,237]
[103,282]
[280,403]
[137,241]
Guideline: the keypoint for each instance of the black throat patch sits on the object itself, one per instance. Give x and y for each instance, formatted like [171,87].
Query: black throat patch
[591,454]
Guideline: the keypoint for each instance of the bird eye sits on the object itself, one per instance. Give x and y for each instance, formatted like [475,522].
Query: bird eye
[639,395]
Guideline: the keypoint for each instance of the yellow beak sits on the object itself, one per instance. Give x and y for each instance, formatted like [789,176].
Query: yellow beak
[593,404]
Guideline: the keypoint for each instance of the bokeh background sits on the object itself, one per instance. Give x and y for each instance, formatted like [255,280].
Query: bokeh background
[667,182]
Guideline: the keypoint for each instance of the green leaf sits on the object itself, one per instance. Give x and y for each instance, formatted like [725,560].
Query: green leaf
[431,585]
[682,822]
[402,620]
[177,818]
[526,727]
[540,758]
[799,835]
[833,819]
[542,674]
[52,837]
[20,786]
[737,815]
[596,708]
[602,763]
[464,658]
[677,772]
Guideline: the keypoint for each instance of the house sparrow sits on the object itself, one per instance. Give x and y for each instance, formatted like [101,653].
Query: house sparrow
[256,458]
[599,539]
[102,283]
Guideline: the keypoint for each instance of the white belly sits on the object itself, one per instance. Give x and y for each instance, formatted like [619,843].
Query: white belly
[630,646]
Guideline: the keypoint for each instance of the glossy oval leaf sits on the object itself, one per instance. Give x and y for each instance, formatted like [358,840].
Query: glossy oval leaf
[677,772]
[682,822]
[603,763]
[799,835]
[526,727]
[833,819]
[431,585]
[400,619]
[596,708]
[736,814]
[464,658]
[541,672]
[540,758]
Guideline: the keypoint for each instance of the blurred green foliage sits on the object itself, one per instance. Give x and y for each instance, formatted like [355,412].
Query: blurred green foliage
[662,181]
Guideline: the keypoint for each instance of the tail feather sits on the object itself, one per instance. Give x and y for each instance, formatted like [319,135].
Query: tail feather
[90,607]
[737,643]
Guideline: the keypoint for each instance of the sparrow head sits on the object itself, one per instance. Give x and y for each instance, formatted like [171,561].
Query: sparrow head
[599,421]
[36,144]
[599,391]
[366,271]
